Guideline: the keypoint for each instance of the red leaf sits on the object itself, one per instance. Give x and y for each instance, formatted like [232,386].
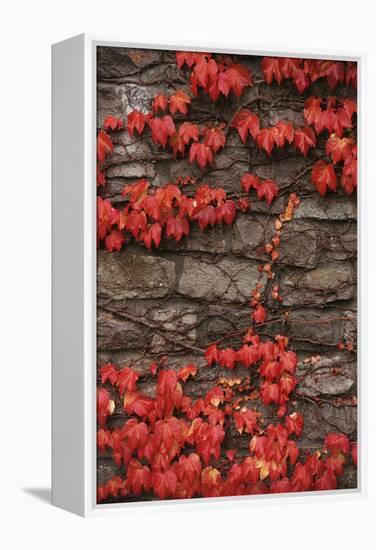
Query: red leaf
[269,393]
[136,191]
[294,424]
[188,58]
[137,403]
[247,355]
[335,73]
[337,443]
[341,121]
[226,212]
[326,120]
[223,84]
[201,153]
[214,138]
[246,122]
[270,370]
[265,140]
[280,486]
[188,132]
[189,467]
[335,463]
[351,76]
[108,372]
[167,381]
[164,483]
[136,434]
[177,144]
[267,189]
[259,315]
[185,372]
[112,123]
[210,482]
[114,240]
[246,420]
[289,66]
[104,145]
[127,379]
[160,102]
[250,181]
[177,227]
[283,131]
[101,178]
[179,101]
[238,77]
[215,396]
[301,80]
[304,138]
[105,213]
[312,110]
[286,384]
[323,177]
[136,121]
[105,405]
[161,129]
[136,222]
[227,358]
[115,486]
[138,477]
[204,73]
[211,354]
[215,415]
[206,216]
[104,439]
[349,174]
[271,67]
[288,360]
[338,148]
[168,195]
[153,234]
[301,478]
[326,482]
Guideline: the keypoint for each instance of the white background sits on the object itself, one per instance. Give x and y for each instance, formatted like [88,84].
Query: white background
[27,30]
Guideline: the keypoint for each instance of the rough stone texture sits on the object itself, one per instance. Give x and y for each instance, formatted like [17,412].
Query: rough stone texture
[134,274]
[174,301]
[333,375]
[228,280]
[321,285]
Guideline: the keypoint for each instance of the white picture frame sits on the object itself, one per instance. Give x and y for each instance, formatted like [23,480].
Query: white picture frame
[74,279]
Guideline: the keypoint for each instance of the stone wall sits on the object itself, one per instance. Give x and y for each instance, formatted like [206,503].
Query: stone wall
[175,300]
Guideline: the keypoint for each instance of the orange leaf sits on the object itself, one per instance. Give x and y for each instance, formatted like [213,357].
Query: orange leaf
[185,372]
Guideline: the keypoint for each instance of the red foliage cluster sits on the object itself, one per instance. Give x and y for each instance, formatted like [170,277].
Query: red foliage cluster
[266,189]
[225,76]
[171,446]
[304,72]
[335,119]
[277,366]
[165,133]
[151,213]
[215,78]
[246,122]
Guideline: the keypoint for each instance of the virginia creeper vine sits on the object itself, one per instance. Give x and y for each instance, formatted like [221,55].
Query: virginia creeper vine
[171,446]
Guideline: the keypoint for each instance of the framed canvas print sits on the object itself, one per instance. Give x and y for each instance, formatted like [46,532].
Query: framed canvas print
[205,310]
